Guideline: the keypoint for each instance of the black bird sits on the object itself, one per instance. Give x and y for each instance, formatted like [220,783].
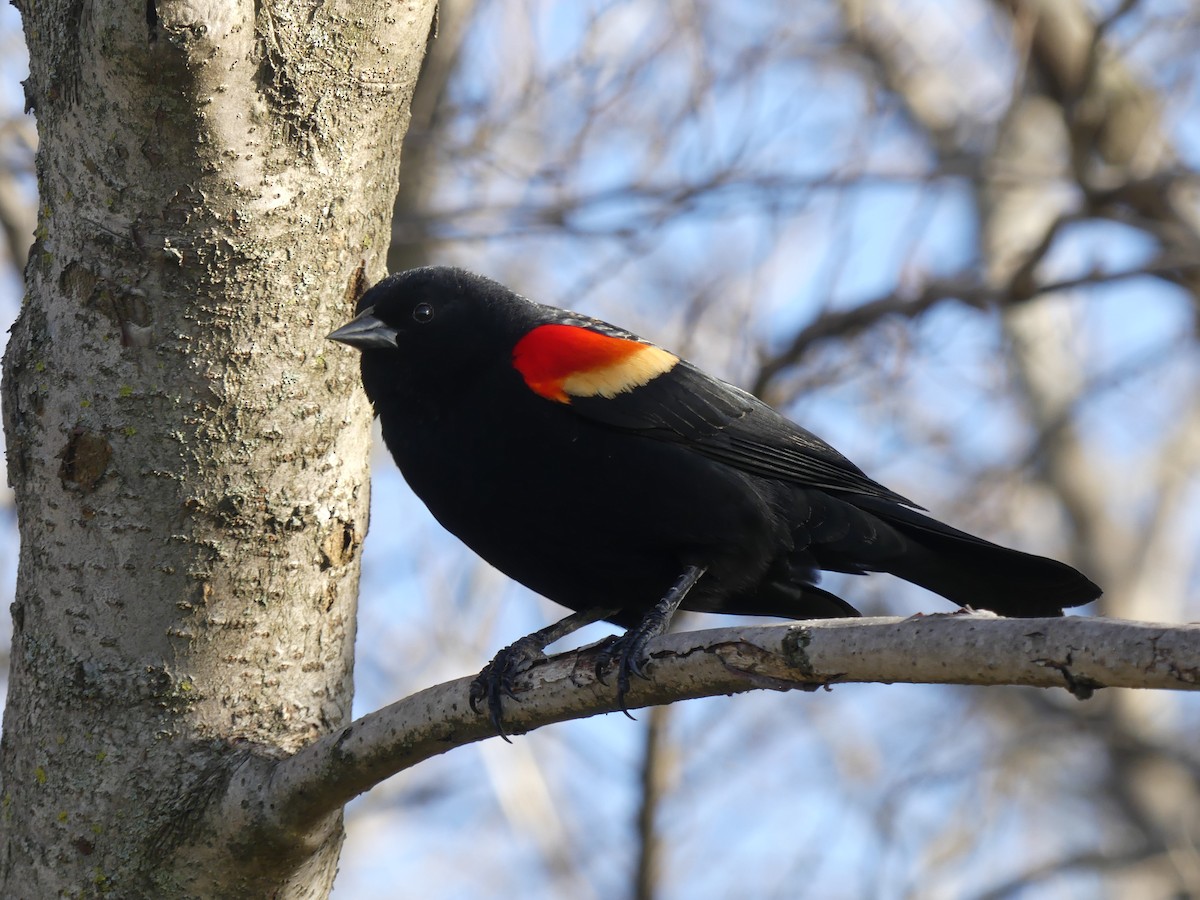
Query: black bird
[622,482]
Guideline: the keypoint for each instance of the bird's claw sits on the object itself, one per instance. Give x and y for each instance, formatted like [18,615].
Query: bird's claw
[606,652]
[628,653]
[497,679]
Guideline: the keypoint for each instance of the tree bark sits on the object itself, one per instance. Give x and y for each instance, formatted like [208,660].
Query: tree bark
[189,458]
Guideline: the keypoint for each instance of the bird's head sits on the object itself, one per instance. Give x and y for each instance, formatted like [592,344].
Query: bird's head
[434,326]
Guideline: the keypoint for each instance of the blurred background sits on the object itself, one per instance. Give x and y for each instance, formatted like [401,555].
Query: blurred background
[961,241]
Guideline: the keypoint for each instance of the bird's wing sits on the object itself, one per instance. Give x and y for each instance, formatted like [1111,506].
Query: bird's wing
[612,377]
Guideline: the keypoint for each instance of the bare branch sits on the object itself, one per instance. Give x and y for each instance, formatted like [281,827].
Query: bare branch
[1079,653]
[847,323]
[1094,862]
[841,324]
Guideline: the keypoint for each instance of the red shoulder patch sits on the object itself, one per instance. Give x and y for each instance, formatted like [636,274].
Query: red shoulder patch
[559,362]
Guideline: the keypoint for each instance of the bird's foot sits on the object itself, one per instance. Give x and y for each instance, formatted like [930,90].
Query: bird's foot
[498,677]
[628,654]
[496,680]
[629,650]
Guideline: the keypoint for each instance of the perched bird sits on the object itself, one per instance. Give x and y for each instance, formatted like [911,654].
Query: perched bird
[622,482]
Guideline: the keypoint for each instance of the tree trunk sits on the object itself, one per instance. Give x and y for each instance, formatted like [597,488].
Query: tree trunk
[189,456]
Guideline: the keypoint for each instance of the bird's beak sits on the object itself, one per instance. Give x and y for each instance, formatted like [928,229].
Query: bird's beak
[365,332]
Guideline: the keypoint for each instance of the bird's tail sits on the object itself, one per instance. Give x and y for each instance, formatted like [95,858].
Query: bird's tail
[973,572]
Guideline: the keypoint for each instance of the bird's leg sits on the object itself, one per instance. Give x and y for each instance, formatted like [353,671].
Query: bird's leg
[496,679]
[629,651]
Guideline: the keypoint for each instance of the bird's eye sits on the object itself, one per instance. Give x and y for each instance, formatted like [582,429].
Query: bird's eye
[423,312]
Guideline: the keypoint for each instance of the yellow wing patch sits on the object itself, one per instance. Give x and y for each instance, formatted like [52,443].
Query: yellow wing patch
[623,375]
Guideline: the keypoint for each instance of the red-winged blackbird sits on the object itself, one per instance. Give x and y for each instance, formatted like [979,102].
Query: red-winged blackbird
[622,482]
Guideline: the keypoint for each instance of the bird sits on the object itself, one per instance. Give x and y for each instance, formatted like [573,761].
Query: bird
[620,481]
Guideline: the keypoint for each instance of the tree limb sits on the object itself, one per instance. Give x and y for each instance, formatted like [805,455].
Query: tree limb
[1078,653]
[842,324]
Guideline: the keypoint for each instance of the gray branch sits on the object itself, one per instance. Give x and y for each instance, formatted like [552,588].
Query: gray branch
[295,795]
